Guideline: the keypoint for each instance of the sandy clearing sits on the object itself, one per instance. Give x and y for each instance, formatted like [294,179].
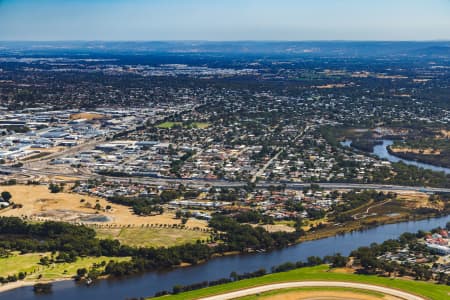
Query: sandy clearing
[425,151]
[87,116]
[22,283]
[38,202]
[278,227]
[326,295]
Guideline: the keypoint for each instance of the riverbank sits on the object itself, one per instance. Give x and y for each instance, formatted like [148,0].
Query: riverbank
[327,232]
[25,283]
[430,159]
[360,226]
[147,284]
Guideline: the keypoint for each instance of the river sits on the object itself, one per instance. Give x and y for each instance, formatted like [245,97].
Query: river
[149,283]
[382,152]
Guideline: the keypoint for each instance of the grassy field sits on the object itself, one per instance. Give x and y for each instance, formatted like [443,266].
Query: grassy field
[168,125]
[29,263]
[429,290]
[297,293]
[152,237]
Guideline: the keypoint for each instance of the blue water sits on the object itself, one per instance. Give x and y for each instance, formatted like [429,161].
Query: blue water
[382,152]
[149,283]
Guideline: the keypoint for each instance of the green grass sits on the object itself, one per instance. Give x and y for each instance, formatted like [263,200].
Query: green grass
[152,237]
[29,263]
[201,125]
[168,125]
[312,289]
[429,290]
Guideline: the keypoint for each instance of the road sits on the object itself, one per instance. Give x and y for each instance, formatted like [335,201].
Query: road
[277,286]
[278,150]
[225,183]
[263,169]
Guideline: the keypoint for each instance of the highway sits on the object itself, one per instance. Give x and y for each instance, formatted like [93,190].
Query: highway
[223,183]
[304,284]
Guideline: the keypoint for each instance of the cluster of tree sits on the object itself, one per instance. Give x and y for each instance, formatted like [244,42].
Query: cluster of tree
[146,205]
[355,199]
[5,196]
[411,175]
[93,273]
[150,259]
[294,206]
[143,206]
[70,240]
[183,215]
[335,261]
[13,278]
[42,288]
[254,217]
[227,195]
[440,158]
[316,214]
[241,237]
[176,165]
[55,188]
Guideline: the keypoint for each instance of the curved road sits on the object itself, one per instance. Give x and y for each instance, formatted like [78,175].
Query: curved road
[300,284]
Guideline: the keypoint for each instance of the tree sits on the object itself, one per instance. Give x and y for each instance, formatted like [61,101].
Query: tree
[234,276]
[6,196]
[54,188]
[82,272]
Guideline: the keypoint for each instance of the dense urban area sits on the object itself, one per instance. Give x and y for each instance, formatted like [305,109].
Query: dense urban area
[150,157]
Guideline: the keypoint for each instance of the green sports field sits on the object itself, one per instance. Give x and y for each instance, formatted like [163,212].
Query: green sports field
[428,290]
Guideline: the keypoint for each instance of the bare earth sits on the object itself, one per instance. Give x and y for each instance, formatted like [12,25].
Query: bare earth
[87,116]
[278,227]
[427,151]
[39,204]
[326,295]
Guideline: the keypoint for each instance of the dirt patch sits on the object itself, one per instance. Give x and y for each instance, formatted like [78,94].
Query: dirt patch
[37,202]
[278,228]
[87,116]
[425,151]
[445,134]
[326,295]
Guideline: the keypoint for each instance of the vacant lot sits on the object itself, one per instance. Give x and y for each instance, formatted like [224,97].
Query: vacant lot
[152,237]
[38,203]
[87,116]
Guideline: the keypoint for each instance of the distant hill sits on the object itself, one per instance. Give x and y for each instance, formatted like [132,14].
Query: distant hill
[312,48]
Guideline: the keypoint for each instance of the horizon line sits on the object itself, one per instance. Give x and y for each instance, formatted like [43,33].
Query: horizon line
[223,41]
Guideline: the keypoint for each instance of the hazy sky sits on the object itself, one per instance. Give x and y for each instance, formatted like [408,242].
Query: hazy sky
[224,20]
